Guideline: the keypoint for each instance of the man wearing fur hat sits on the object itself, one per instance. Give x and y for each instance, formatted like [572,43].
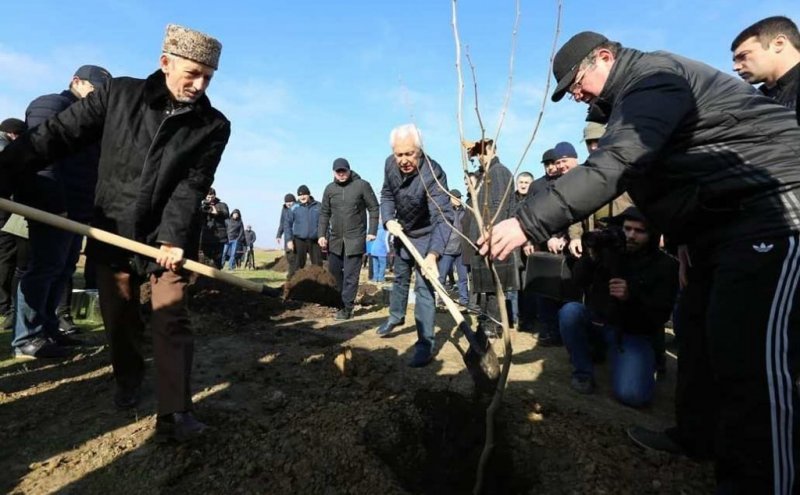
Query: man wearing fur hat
[161,142]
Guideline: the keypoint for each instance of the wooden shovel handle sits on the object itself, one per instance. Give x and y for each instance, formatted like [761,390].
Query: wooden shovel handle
[62,223]
[437,286]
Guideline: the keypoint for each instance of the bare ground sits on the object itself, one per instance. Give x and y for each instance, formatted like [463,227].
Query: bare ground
[300,403]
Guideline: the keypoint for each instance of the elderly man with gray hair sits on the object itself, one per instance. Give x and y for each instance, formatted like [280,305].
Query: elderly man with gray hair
[414,201]
[161,142]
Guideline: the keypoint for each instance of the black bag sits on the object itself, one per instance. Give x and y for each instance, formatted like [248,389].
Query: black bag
[550,275]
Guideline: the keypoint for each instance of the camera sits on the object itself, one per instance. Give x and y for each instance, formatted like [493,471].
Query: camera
[206,206]
[607,245]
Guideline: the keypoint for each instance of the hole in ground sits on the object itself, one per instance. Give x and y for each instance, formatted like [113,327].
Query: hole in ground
[434,443]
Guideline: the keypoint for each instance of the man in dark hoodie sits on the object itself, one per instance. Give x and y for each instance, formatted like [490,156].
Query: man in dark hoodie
[235,230]
[713,164]
[630,291]
[65,188]
[345,203]
[10,129]
[301,226]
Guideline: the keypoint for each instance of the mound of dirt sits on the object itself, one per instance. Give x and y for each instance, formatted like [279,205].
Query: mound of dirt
[211,296]
[369,295]
[279,264]
[313,284]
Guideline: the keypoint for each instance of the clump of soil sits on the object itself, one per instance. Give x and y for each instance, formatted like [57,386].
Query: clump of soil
[313,284]
[369,295]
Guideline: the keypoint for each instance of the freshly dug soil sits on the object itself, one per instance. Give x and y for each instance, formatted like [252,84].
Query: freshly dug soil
[279,264]
[369,295]
[313,284]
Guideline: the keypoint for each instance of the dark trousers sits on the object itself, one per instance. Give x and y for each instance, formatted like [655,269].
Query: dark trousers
[8,262]
[213,251]
[345,269]
[308,247]
[291,258]
[751,324]
[173,343]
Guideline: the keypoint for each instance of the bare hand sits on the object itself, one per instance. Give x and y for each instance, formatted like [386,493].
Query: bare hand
[528,249]
[370,237]
[430,267]
[618,288]
[556,245]
[394,227]
[290,245]
[171,257]
[323,242]
[684,263]
[576,247]
[506,237]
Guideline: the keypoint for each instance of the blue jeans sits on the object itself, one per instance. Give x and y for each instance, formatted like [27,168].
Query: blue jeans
[631,356]
[230,249]
[424,308]
[379,268]
[512,297]
[448,261]
[51,262]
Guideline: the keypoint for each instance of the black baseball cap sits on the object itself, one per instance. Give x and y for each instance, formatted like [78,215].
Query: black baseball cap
[455,193]
[94,74]
[341,164]
[549,156]
[568,58]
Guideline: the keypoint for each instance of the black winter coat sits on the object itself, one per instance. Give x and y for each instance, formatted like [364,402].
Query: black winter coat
[235,227]
[493,188]
[344,206]
[405,198]
[704,156]
[652,278]
[156,163]
[67,185]
[786,90]
[215,229]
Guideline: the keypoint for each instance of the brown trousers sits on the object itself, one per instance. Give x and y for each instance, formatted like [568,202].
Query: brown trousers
[173,343]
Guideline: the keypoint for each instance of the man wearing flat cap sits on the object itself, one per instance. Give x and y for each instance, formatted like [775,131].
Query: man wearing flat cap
[713,164]
[160,144]
[64,187]
[343,229]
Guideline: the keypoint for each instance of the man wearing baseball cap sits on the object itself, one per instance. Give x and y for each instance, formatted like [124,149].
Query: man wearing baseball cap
[342,228]
[160,144]
[714,165]
[65,187]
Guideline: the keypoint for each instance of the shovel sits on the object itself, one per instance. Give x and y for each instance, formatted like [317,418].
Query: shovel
[480,359]
[130,245]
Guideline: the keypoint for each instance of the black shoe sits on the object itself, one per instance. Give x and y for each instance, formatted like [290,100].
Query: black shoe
[178,427]
[421,359]
[387,327]
[582,385]
[66,326]
[40,348]
[654,440]
[343,314]
[127,397]
[549,341]
[65,341]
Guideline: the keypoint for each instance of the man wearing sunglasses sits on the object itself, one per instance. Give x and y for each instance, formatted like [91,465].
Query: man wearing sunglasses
[715,165]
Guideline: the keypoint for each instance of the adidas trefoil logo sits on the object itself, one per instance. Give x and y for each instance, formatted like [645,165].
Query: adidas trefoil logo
[763,248]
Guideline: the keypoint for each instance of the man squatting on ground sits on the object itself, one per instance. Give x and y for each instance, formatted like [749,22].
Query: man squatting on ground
[713,164]
[345,203]
[161,142]
[414,201]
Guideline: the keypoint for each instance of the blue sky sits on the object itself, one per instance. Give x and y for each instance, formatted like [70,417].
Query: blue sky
[305,82]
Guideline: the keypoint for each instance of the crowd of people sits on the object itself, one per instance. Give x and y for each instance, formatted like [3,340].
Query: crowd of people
[686,208]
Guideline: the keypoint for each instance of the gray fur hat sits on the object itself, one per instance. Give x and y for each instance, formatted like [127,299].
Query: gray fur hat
[193,45]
